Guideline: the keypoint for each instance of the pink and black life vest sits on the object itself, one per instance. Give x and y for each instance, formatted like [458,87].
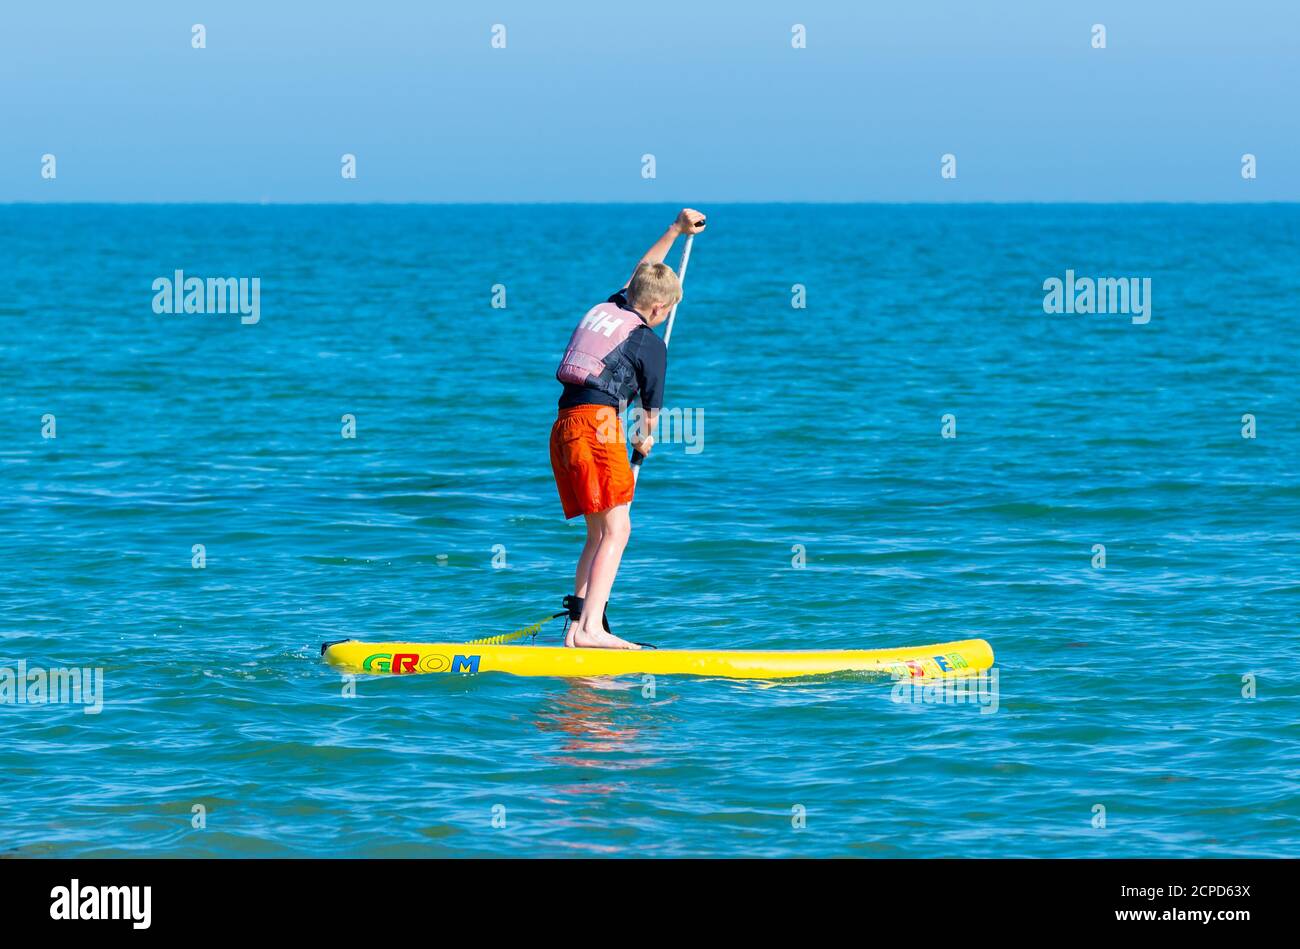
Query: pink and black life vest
[595,355]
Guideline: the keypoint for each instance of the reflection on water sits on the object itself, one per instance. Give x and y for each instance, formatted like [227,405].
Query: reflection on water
[603,722]
[603,715]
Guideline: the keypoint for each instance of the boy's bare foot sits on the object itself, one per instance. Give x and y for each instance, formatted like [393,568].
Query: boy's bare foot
[598,639]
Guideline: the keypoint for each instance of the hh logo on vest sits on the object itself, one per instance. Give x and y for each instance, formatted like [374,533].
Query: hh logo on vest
[599,322]
[602,330]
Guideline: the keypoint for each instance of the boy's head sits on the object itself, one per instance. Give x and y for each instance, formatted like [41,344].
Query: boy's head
[653,291]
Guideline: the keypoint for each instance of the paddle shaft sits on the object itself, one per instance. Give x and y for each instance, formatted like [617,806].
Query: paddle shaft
[637,457]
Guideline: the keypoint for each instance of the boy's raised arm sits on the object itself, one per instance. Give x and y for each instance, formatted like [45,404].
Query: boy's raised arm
[689,221]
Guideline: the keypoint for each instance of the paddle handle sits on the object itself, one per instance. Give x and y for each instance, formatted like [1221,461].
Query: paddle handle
[637,457]
[681,279]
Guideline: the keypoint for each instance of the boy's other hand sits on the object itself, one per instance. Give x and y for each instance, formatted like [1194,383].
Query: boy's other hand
[690,221]
[645,445]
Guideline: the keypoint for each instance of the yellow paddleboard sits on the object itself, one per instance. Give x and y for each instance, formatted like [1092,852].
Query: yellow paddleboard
[964,657]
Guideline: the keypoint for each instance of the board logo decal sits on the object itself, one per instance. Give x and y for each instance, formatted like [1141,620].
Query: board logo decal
[407,663]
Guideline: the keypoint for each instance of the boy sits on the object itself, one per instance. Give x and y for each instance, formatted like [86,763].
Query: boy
[612,356]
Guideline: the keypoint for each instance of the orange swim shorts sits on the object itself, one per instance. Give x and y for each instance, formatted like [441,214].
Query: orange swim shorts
[589,458]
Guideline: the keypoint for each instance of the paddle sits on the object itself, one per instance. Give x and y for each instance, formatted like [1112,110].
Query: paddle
[637,457]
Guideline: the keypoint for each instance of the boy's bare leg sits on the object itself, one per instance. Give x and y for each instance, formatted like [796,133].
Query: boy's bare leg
[583,573]
[615,526]
[588,552]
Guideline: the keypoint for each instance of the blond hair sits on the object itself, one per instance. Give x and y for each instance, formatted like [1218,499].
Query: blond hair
[654,283]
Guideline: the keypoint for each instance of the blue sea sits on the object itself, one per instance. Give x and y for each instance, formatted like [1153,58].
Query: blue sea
[895,445]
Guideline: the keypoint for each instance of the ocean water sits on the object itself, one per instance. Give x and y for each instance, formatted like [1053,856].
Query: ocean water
[1145,708]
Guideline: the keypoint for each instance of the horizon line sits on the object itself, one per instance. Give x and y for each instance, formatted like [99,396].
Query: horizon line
[558,202]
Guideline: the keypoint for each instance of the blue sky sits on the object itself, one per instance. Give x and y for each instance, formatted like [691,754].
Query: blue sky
[713,90]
